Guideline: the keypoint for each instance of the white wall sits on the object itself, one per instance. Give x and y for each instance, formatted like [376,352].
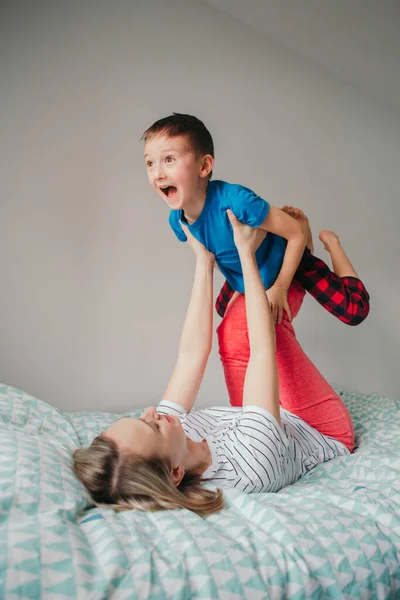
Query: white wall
[94,285]
[357,41]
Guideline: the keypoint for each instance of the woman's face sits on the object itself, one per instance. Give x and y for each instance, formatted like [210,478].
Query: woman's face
[150,435]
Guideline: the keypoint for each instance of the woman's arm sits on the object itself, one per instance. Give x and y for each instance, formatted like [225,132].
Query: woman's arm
[196,339]
[261,386]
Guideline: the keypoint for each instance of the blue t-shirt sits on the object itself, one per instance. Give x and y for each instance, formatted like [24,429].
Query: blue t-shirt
[214,230]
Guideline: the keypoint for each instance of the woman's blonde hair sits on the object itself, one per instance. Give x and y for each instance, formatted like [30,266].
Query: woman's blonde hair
[123,481]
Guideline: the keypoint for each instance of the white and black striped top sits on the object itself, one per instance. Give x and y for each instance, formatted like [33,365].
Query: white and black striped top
[250,450]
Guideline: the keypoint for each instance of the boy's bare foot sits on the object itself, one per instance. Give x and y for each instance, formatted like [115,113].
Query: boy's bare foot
[298,214]
[341,264]
[329,239]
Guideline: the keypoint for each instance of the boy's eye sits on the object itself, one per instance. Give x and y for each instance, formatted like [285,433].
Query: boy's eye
[169,159]
[149,163]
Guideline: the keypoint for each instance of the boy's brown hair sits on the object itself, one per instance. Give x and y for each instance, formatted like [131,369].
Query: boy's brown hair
[181,124]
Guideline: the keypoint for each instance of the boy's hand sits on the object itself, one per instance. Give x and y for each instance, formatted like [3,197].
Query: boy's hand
[277,297]
[198,248]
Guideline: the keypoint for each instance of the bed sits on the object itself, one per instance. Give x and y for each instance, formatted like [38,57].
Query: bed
[334,534]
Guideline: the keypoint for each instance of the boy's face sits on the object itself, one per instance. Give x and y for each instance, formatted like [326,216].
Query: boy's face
[174,170]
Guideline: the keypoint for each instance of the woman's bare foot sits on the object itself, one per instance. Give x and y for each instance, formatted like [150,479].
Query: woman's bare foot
[329,239]
[298,214]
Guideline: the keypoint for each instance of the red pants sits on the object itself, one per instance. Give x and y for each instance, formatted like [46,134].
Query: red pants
[303,390]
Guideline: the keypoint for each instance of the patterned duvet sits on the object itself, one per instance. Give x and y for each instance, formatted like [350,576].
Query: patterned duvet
[334,534]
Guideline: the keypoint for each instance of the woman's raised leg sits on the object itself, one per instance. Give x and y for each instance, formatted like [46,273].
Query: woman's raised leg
[303,390]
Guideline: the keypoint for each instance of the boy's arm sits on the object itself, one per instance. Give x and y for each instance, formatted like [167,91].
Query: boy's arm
[196,339]
[282,224]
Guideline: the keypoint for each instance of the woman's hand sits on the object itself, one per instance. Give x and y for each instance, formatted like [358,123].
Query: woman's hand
[246,238]
[198,248]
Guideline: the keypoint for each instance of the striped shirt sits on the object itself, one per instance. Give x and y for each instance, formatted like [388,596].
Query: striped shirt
[250,451]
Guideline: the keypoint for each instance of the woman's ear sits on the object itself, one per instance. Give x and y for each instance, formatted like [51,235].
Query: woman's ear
[177,474]
[207,165]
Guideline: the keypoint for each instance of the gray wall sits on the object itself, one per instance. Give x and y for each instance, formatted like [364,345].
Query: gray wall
[94,284]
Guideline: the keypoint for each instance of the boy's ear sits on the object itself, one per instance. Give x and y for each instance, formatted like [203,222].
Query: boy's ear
[207,165]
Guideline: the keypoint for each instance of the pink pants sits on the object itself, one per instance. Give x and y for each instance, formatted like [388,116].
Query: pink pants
[303,389]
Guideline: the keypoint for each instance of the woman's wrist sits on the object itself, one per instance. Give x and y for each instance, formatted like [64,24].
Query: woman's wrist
[247,255]
[205,258]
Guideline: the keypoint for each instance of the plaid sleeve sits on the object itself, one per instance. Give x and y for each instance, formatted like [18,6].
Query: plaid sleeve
[344,297]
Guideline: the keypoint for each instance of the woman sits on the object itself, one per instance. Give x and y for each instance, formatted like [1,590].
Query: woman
[303,390]
[161,460]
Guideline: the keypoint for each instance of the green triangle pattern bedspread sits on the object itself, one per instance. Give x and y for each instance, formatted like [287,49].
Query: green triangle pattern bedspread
[334,534]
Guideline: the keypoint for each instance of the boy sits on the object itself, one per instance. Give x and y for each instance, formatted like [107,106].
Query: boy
[179,156]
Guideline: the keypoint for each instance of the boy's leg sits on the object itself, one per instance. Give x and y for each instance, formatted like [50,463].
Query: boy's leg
[344,297]
[340,291]
[341,264]
[303,390]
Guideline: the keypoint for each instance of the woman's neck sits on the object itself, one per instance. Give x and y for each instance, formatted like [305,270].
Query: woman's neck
[198,457]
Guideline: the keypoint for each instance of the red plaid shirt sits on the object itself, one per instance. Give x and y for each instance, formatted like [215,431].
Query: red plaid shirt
[344,297]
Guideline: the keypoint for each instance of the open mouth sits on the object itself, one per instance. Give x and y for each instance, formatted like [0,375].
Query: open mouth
[169,191]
